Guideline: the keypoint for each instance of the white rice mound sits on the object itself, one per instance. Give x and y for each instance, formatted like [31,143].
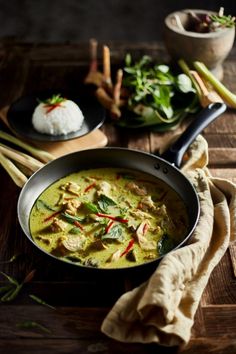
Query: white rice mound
[63,119]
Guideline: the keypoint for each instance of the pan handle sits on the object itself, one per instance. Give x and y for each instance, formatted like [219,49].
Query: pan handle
[176,152]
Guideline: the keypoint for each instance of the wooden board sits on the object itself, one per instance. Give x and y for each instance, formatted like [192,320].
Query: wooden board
[94,139]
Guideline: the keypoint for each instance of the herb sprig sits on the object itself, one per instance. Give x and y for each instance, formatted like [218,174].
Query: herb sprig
[223,21]
[157,97]
[55,99]
[11,290]
[205,23]
[53,102]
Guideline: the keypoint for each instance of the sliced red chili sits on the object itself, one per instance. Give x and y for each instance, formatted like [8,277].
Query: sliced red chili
[89,187]
[128,248]
[109,226]
[115,218]
[51,107]
[78,224]
[51,216]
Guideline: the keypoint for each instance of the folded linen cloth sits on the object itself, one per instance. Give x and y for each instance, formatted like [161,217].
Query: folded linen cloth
[162,309]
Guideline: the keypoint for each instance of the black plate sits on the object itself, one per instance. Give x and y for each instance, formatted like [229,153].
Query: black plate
[20,115]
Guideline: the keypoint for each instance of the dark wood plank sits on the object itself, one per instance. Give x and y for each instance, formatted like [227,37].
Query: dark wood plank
[74,346]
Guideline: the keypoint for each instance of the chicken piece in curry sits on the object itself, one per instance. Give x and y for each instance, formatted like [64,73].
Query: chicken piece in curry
[108,218]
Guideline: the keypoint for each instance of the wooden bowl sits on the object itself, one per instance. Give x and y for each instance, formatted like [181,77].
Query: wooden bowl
[210,48]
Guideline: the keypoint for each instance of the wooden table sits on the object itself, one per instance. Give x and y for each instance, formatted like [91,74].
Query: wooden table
[82,300]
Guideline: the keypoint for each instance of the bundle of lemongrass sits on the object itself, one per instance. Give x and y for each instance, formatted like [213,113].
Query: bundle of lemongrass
[208,87]
[18,164]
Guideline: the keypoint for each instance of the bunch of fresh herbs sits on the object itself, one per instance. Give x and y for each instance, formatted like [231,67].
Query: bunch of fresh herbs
[206,23]
[157,97]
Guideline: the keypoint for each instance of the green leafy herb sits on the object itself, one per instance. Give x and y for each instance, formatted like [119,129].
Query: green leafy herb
[73,258]
[184,83]
[40,204]
[75,230]
[5,289]
[91,207]
[12,259]
[157,97]
[206,23]
[165,245]
[223,21]
[33,325]
[11,291]
[54,100]
[11,294]
[10,279]
[115,233]
[104,202]
[71,219]
[40,301]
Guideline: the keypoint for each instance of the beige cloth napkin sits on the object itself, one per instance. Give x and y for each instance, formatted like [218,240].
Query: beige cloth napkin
[162,309]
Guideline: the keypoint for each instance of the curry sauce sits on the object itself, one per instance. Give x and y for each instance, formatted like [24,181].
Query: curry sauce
[108,218]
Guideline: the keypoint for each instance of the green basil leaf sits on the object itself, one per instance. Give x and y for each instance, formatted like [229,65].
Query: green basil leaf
[40,204]
[71,219]
[115,234]
[91,207]
[184,83]
[104,202]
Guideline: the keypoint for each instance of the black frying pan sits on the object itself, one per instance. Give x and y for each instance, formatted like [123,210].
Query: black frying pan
[167,171]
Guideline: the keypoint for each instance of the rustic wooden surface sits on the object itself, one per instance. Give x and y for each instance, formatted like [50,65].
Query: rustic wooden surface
[82,300]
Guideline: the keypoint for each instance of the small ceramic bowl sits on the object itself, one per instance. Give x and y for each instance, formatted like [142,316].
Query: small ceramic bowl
[210,48]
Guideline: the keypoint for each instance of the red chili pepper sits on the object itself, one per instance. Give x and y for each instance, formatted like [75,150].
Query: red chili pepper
[115,218]
[51,216]
[128,248]
[109,226]
[89,187]
[78,224]
[51,107]
[118,176]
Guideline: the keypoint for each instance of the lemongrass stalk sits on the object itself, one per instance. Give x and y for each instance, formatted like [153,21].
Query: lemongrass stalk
[42,155]
[17,176]
[26,171]
[223,91]
[23,159]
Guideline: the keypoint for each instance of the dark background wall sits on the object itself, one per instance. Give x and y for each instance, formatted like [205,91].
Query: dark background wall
[77,20]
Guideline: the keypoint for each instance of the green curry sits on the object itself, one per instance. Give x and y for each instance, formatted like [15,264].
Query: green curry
[108,218]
